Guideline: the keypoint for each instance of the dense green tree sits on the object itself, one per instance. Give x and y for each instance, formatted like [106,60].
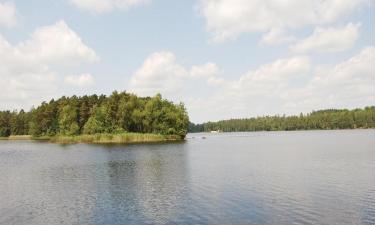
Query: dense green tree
[19,123]
[119,112]
[323,119]
[125,112]
[96,123]
[84,112]
[5,128]
[126,107]
[68,124]
[44,120]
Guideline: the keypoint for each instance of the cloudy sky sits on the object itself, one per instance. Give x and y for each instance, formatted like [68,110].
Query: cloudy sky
[222,58]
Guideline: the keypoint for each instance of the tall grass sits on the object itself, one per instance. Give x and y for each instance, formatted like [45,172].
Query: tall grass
[16,137]
[114,138]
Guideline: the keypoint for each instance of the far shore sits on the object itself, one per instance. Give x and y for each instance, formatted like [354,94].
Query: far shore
[122,138]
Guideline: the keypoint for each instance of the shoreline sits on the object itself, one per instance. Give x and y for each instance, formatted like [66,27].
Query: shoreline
[258,131]
[124,138]
[16,138]
[134,138]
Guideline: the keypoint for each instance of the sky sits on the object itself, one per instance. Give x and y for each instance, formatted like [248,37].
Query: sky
[222,58]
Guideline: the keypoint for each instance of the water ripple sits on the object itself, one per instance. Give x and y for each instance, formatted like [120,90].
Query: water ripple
[247,178]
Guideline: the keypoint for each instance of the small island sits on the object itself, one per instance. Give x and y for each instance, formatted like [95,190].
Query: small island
[119,118]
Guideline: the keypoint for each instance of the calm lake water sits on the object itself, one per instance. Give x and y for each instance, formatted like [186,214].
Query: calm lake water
[315,177]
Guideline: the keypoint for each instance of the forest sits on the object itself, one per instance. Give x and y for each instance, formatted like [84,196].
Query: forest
[118,113]
[317,120]
[127,113]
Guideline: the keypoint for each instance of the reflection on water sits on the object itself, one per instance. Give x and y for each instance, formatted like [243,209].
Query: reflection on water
[318,177]
[151,184]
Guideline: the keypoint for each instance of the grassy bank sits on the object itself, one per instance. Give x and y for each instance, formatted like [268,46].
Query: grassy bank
[100,138]
[112,138]
[16,137]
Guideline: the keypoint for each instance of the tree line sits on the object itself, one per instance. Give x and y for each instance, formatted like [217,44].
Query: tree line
[117,113]
[317,120]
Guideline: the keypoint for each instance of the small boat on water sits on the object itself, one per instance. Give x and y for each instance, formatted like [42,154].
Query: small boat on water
[214,131]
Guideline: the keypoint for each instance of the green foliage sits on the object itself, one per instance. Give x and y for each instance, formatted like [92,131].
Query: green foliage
[44,119]
[318,120]
[95,124]
[117,113]
[68,124]
[19,123]
[5,128]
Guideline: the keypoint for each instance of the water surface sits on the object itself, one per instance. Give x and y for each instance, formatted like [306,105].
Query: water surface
[314,177]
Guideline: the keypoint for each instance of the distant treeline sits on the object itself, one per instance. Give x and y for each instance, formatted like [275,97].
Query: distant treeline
[317,120]
[118,113]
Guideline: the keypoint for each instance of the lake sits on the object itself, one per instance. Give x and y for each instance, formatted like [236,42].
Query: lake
[304,177]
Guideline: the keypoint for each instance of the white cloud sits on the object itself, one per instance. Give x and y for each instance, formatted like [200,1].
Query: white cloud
[329,40]
[348,84]
[103,6]
[82,80]
[277,36]
[8,14]
[26,69]
[56,43]
[288,85]
[208,71]
[228,19]
[22,90]
[256,92]
[275,88]
[161,73]
[280,70]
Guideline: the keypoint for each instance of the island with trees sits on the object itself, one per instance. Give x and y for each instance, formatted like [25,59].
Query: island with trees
[126,118]
[118,118]
[331,119]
